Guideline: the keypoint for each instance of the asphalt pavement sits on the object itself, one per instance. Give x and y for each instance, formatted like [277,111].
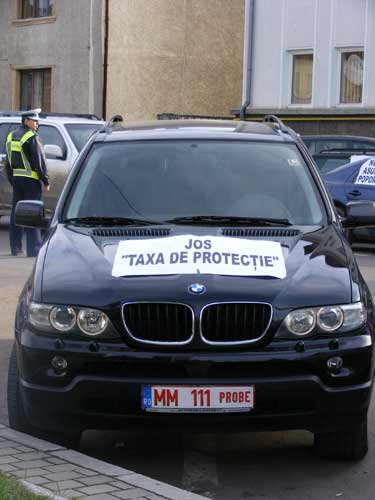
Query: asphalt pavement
[230,466]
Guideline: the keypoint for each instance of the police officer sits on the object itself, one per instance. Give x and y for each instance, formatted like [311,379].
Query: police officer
[27,171]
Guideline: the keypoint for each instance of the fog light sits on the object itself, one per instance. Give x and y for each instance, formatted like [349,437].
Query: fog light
[59,364]
[335,364]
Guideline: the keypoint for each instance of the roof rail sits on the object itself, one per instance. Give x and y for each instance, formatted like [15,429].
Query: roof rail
[43,114]
[277,122]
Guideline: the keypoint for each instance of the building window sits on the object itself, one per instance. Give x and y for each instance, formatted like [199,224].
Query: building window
[35,8]
[351,80]
[35,89]
[302,79]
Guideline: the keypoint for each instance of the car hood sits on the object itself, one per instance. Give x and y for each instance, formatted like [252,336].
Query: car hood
[77,270]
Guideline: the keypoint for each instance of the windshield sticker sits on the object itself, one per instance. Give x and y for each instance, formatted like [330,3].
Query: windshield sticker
[294,162]
[366,174]
[190,254]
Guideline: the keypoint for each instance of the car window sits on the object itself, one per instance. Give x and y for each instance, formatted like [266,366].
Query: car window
[50,135]
[5,128]
[326,164]
[363,145]
[81,133]
[161,180]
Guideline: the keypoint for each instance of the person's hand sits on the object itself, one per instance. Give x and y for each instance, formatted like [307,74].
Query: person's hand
[46,187]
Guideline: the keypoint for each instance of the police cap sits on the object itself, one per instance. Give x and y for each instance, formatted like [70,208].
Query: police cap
[31,114]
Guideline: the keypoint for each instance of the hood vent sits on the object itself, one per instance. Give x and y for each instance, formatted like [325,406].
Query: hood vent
[264,233]
[131,232]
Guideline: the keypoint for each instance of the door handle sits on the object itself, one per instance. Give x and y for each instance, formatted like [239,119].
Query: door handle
[355,192]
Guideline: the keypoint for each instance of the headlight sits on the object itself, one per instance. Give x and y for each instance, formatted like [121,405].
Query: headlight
[354,316]
[322,320]
[300,322]
[39,316]
[330,318]
[70,319]
[63,318]
[92,321]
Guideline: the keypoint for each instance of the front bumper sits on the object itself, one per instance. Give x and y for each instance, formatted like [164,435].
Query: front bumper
[102,385]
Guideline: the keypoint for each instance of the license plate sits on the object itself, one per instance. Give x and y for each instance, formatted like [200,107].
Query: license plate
[197,399]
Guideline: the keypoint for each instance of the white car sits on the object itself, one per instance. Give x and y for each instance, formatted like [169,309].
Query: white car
[63,137]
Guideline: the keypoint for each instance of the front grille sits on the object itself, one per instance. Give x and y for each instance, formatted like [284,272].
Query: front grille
[159,322]
[234,323]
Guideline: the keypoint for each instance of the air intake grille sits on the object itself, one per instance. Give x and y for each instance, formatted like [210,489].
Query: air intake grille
[241,232]
[133,232]
[159,322]
[234,322]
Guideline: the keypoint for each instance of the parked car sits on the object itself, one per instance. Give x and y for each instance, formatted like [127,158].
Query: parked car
[203,280]
[353,181]
[63,136]
[332,151]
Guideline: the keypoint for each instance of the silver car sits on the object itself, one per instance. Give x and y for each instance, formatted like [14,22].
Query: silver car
[63,137]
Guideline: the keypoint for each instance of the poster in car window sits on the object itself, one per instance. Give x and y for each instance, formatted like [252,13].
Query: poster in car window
[366,174]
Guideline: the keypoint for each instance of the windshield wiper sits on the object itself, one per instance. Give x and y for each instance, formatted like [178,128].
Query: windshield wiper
[109,221]
[225,220]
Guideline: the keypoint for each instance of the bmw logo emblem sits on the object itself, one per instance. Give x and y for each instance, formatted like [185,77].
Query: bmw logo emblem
[197,288]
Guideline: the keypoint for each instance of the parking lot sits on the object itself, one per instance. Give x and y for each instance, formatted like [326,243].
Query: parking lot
[232,465]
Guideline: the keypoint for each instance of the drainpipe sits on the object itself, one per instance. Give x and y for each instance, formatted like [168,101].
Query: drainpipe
[247,56]
[105,63]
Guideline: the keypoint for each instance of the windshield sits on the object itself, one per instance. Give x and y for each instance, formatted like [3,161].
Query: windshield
[163,180]
[80,133]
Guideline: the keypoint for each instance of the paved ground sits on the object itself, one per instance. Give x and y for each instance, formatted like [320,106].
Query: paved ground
[47,468]
[232,466]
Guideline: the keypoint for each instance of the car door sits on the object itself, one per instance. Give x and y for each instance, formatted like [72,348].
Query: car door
[6,191]
[57,166]
[361,184]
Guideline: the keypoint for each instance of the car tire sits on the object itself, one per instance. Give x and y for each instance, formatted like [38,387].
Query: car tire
[350,444]
[18,419]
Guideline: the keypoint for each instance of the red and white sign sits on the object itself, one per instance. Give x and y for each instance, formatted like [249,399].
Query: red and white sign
[200,399]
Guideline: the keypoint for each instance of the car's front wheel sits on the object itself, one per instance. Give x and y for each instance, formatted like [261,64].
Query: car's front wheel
[18,419]
[350,444]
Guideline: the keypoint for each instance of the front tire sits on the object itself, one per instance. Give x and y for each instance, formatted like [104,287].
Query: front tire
[351,444]
[17,416]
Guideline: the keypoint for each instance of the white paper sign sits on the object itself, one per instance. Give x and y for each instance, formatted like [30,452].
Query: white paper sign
[366,174]
[190,254]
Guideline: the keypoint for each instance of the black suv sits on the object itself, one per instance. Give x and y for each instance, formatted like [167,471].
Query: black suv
[195,274]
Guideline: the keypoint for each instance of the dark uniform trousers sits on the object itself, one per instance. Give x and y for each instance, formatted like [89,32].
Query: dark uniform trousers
[24,189]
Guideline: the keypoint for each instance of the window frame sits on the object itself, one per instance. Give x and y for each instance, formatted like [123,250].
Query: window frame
[340,51]
[292,54]
[19,72]
[20,9]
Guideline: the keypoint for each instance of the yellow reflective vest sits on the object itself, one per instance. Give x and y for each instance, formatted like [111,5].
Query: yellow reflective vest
[17,159]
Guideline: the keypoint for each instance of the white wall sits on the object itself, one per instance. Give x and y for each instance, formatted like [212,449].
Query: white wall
[283,27]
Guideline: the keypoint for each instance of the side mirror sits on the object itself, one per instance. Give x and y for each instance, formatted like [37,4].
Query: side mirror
[53,151]
[359,214]
[30,213]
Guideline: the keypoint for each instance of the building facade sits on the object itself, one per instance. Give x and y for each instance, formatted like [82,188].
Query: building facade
[314,64]
[179,56]
[138,58]
[51,55]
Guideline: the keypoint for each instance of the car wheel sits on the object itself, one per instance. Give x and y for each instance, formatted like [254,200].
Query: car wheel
[351,444]
[18,419]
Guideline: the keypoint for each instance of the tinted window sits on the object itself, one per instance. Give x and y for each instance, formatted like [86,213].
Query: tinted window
[161,180]
[363,145]
[80,134]
[50,135]
[326,165]
[5,128]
